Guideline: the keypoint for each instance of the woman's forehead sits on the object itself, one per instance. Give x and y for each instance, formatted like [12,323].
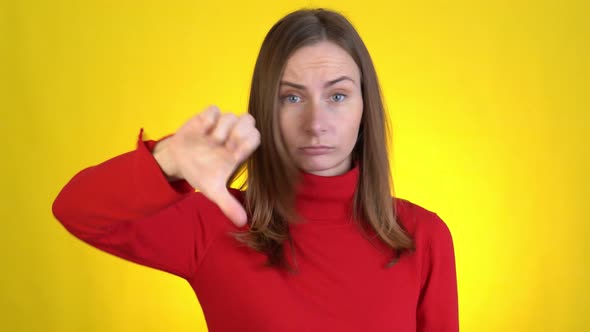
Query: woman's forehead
[323,61]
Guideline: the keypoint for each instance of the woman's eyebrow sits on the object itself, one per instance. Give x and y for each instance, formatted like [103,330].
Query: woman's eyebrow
[329,83]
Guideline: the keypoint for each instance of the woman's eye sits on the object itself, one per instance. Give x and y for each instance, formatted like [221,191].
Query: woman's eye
[292,99]
[338,97]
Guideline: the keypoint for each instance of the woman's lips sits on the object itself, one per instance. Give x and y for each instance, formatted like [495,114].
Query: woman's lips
[316,150]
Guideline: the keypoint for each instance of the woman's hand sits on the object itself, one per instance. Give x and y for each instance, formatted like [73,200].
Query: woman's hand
[205,151]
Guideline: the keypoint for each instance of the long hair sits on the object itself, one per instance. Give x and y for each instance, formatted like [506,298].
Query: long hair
[272,176]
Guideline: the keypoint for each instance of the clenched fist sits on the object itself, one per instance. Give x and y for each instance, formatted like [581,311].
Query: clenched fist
[206,150]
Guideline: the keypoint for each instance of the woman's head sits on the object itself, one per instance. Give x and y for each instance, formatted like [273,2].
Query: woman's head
[311,48]
[314,85]
[320,108]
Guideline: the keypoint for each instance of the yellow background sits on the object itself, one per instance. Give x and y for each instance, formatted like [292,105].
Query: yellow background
[489,101]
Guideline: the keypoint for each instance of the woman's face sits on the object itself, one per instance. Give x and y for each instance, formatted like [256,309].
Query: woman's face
[320,108]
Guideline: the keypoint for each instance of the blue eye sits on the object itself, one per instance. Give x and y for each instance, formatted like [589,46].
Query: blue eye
[338,97]
[292,99]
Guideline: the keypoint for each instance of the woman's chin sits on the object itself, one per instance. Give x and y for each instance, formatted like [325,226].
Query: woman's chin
[323,166]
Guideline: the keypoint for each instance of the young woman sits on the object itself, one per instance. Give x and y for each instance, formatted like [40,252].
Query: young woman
[315,242]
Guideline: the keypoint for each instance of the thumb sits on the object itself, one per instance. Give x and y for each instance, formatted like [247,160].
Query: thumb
[231,207]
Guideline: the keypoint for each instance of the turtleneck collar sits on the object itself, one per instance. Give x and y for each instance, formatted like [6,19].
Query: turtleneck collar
[327,199]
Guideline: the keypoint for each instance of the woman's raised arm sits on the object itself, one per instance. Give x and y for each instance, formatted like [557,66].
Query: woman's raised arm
[139,206]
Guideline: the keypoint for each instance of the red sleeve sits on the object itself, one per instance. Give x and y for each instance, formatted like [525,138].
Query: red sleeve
[438,304]
[126,206]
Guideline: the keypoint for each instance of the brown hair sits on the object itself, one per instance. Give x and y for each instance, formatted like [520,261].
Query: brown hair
[272,176]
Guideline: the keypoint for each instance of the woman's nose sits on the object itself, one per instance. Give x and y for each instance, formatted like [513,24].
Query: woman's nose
[315,119]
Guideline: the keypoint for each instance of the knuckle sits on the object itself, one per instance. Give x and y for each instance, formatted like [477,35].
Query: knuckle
[241,131]
[249,118]
[224,128]
[253,141]
[205,121]
[240,134]
[218,136]
[210,112]
[229,117]
[249,135]
[257,135]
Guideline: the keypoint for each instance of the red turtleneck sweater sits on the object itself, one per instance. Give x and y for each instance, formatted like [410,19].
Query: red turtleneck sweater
[126,207]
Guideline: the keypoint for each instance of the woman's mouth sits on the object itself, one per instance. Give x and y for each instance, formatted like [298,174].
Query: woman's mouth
[316,150]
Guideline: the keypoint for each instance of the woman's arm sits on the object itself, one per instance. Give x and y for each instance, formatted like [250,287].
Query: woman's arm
[438,303]
[127,207]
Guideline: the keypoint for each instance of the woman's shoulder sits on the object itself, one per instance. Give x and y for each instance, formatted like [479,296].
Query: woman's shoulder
[421,223]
